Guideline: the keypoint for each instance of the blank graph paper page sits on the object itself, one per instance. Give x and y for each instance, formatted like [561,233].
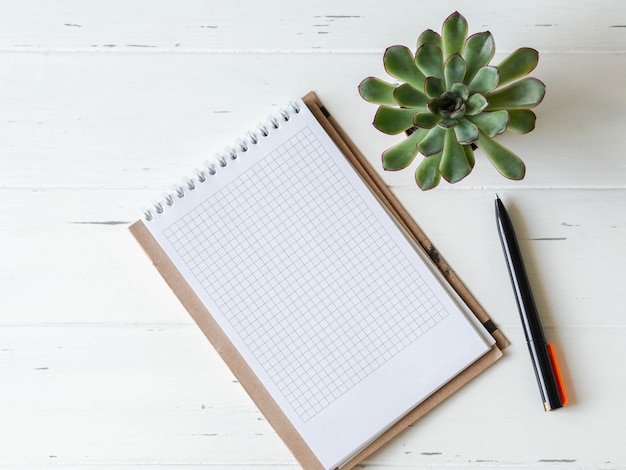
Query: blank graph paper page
[321,292]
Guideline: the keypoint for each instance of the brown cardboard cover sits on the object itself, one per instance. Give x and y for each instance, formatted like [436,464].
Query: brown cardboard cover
[244,373]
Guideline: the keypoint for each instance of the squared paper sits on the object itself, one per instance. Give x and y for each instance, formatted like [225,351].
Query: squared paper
[328,302]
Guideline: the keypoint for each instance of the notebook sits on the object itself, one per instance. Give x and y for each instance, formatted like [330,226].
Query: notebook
[324,298]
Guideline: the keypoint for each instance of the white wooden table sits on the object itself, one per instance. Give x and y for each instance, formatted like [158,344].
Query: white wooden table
[103,104]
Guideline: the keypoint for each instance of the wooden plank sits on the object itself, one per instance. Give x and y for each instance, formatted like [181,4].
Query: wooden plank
[323,25]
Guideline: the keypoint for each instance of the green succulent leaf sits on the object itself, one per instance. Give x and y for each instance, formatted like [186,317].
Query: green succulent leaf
[433,142]
[433,106]
[469,153]
[459,113]
[505,161]
[491,123]
[429,36]
[461,90]
[399,63]
[393,120]
[447,123]
[400,156]
[475,104]
[521,121]
[479,50]
[425,120]
[454,165]
[427,174]
[407,96]
[454,33]
[524,94]
[429,59]
[377,91]
[466,132]
[454,70]
[433,87]
[518,64]
[485,80]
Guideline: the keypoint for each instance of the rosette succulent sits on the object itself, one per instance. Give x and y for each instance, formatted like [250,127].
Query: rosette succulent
[451,101]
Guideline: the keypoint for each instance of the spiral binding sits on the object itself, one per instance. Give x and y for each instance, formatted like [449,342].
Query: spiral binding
[212,165]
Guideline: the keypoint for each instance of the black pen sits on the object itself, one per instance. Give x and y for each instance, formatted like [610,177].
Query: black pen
[541,353]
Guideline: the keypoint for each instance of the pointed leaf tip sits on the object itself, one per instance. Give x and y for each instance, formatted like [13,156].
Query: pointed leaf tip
[401,155]
[429,36]
[399,63]
[505,161]
[429,59]
[524,94]
[454,33]
[393,120]
[521,121]
[427,174]
[479,50]
[374,90]
[518,64]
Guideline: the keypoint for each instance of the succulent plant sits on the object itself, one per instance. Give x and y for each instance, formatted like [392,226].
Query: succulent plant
[451,101]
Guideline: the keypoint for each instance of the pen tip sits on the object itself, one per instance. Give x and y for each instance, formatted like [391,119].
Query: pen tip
[497,197]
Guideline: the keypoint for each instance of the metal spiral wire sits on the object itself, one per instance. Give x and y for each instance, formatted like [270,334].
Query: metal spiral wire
[212,165]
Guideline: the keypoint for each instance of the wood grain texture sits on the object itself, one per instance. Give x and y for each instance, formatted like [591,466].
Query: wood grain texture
[104,104]
[321,26]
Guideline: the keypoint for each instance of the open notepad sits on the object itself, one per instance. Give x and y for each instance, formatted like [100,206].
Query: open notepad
[318,296]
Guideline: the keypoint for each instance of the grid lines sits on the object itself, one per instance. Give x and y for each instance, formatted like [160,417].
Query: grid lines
[306,275]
